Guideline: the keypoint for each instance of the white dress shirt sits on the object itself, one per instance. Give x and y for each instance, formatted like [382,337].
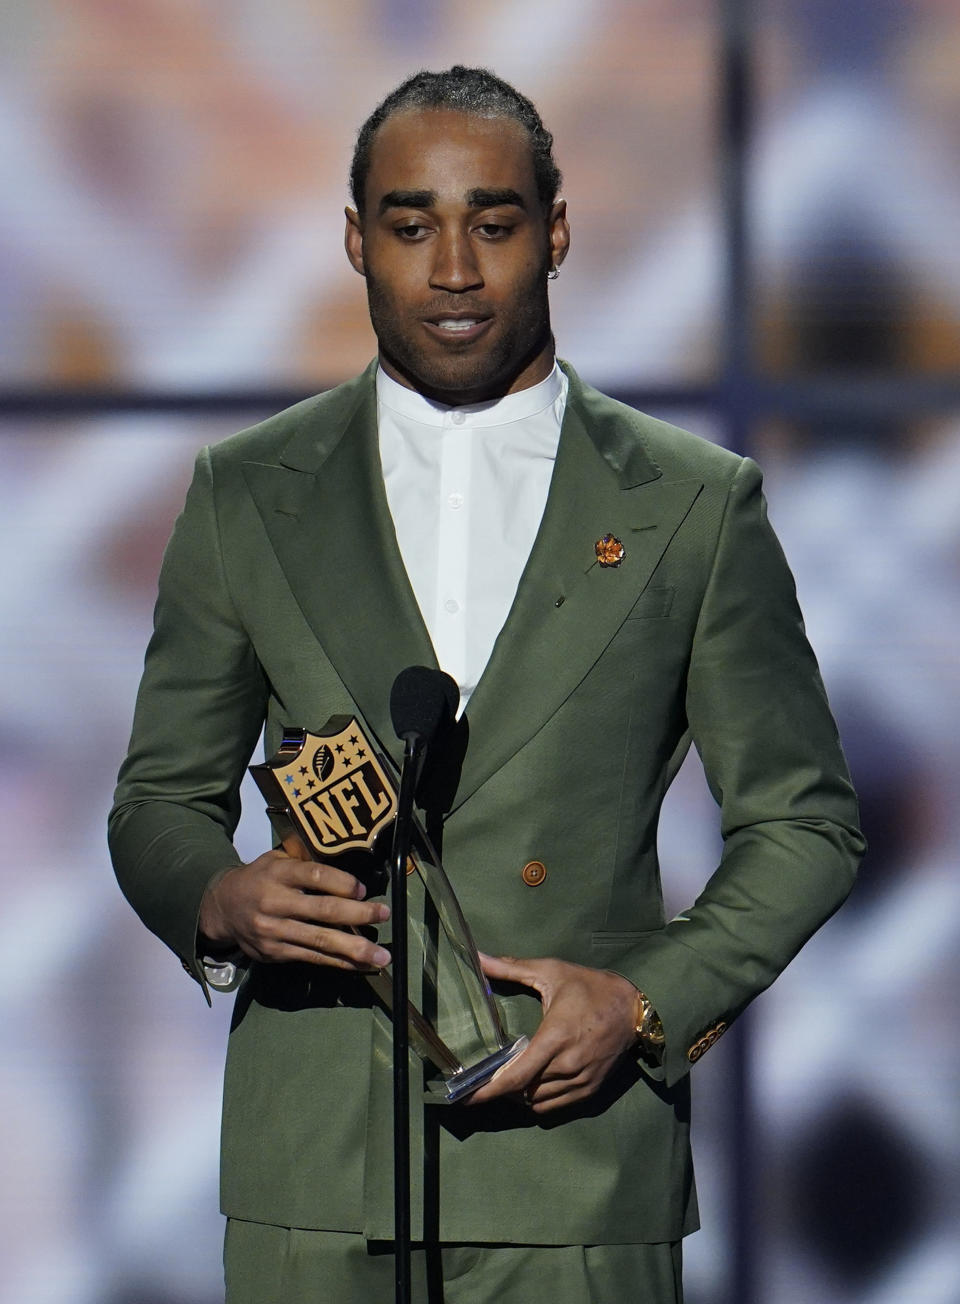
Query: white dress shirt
[467,488]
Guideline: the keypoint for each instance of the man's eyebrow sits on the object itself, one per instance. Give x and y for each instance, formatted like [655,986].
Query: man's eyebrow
[493,198]
[476,198]
[407,199]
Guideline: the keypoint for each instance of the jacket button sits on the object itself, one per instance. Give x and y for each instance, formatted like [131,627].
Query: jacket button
[533,873]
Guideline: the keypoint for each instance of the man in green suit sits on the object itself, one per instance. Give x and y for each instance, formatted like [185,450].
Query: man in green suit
[642,602]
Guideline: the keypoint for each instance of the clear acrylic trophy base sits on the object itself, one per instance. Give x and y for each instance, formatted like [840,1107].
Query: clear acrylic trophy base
[448,1090]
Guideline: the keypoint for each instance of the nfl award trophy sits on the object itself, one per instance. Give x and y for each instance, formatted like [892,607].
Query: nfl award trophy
[331,797]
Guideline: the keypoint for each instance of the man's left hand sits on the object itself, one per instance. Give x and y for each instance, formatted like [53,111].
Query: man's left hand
[589,1020]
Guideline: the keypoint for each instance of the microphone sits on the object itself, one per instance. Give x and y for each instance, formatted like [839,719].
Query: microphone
[422,703]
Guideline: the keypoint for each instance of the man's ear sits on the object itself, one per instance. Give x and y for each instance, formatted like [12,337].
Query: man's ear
[353,240]
[559,232]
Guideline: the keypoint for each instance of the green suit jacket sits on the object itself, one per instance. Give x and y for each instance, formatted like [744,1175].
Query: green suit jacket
[283,597]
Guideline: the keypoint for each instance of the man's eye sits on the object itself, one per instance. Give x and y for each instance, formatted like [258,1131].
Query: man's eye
[411,231]
[493,230]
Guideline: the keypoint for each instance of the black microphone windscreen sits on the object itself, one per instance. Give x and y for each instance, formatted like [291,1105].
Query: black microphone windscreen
[422,701]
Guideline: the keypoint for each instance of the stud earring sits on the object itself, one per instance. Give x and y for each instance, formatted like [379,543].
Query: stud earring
[553,273]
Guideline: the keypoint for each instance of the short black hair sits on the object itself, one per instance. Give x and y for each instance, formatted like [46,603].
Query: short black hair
[468,90]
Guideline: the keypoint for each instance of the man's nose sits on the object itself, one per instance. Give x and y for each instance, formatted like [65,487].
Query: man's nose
[455,267]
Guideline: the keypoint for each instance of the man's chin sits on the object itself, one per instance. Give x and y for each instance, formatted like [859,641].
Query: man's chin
[455,381]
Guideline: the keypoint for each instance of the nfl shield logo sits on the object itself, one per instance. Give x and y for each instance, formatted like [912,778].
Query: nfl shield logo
[331,785]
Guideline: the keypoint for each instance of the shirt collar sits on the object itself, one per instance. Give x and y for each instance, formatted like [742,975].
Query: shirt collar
[495,412]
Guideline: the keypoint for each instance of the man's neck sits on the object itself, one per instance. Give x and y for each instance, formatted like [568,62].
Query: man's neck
[532,373]
[410,405]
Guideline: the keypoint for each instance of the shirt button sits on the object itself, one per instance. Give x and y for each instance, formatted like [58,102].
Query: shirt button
[452,605]
[455,501]
[457,418]
[533,873]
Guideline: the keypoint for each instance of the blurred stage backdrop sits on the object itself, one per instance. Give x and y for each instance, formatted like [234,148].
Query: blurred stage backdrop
[765,203]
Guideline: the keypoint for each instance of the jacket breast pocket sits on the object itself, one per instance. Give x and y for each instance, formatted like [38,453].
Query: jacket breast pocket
[652,603]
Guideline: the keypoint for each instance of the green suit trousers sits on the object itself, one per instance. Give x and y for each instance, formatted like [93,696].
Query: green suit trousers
[282,1265]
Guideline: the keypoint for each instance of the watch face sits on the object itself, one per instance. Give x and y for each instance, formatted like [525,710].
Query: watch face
[648,1025]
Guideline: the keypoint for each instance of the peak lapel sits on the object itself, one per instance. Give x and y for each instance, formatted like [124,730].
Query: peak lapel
[567,607]
[325,511]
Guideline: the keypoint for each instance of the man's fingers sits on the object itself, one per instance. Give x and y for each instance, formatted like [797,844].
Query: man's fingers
[326,960]
[311,876]
[588,1022]
[285,940]
[331,910]
[278,908]
[278,905]
[338,943]
[505,968]
[547,1072]
[569,1096]
[552,1087]
[519,1073]
[305,918]
[293,846]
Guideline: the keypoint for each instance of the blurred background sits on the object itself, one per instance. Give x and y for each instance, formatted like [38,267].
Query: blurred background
[765,201]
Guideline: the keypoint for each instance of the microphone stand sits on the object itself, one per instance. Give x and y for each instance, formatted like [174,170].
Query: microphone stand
[413,745]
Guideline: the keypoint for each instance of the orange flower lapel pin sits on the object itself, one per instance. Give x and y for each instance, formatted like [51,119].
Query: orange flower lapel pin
[610,551]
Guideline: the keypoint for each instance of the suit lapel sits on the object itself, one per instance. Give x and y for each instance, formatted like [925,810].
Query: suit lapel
[326,513]
[567,607]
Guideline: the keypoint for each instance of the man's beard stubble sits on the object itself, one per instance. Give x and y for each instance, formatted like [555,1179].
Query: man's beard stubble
[475,374]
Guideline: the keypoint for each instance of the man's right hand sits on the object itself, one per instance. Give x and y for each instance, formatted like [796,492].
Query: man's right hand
[281,908]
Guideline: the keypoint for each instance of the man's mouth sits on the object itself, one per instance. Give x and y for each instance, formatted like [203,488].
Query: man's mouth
[461,328]
[457,325]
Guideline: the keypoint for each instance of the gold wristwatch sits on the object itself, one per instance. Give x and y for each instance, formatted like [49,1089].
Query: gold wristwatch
[649,1030]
